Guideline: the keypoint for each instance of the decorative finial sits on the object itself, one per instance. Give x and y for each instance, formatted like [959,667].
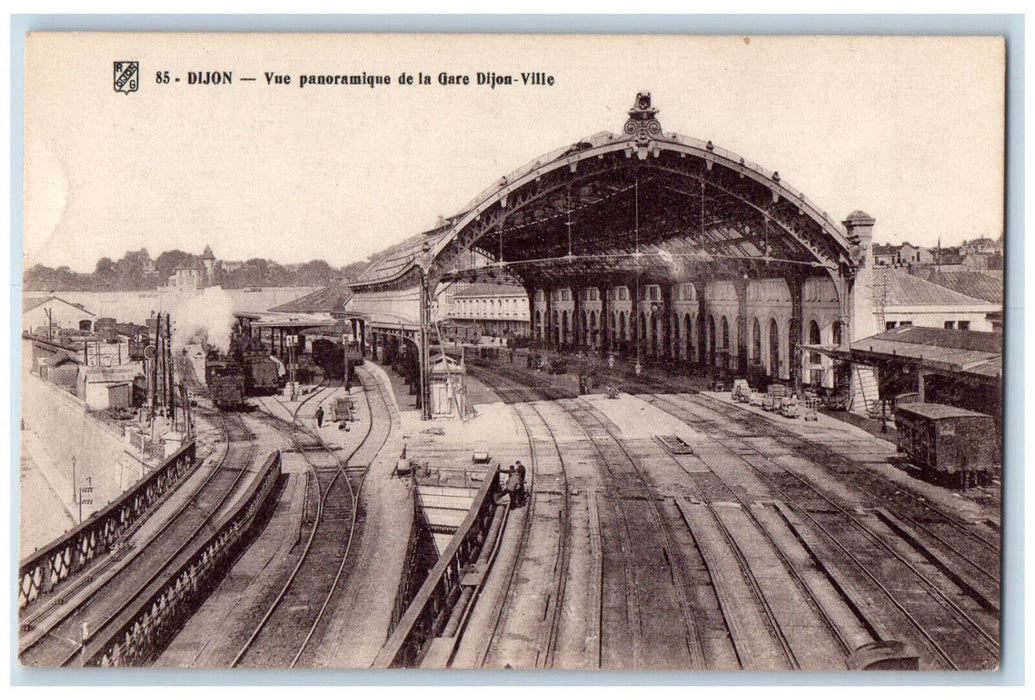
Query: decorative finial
[642,123]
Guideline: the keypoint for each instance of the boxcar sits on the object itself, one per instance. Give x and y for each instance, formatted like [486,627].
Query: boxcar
[947,440]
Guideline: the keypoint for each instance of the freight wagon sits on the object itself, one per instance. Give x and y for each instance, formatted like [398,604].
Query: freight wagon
[947,442]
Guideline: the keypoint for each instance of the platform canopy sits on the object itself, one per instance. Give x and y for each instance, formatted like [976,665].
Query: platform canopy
[613,205]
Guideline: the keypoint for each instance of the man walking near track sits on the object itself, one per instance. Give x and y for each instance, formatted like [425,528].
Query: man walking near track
[319,417]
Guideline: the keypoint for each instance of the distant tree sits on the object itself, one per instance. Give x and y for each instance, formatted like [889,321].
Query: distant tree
[168,261]
[352,271]
[315,273]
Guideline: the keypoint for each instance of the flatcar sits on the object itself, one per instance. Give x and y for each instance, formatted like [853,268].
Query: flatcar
[947,442]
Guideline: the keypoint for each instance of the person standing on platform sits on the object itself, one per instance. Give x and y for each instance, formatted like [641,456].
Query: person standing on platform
[319,417]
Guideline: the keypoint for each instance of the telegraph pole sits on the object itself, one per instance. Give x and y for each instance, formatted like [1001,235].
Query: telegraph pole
[291,342]
[345,352]
[423,340]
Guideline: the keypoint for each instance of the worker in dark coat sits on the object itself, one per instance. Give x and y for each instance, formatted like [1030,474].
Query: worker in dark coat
[319,417]
[515,486]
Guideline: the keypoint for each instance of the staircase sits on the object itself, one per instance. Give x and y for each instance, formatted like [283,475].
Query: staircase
[864,398]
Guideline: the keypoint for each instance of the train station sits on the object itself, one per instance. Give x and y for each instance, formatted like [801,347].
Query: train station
[634,406]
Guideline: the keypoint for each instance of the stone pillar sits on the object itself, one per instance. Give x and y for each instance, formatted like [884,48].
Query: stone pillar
[666,303]
[576,332]
[795,284]
[702,323]
[634,318]
[861,320]
[740,284]
[548,318]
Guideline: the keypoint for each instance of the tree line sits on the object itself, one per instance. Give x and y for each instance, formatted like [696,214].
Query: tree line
[136,271]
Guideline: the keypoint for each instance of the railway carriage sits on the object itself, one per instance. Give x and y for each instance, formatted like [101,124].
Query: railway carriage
[947,441]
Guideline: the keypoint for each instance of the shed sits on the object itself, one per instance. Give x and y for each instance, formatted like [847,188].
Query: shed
[60,368]
[106,387]
[448,386]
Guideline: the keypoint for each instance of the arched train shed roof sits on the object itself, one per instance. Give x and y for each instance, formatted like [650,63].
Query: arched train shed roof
[661,204]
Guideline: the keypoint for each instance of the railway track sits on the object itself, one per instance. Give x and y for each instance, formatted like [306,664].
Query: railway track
[59,639]
[622,514]
[972,546]
[285,635]
[549,511]
[956,635]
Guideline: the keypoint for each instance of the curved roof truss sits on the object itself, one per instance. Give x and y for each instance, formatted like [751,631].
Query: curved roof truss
[643,201]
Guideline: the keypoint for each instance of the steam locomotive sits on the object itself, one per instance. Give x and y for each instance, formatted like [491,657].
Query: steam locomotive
[328,356]
[246,370]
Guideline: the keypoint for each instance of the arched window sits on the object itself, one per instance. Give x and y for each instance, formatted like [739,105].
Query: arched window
[621,326]
[836,332]
[814,340]
[815,375]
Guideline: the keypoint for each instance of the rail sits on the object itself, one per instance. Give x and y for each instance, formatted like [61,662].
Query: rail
[146,630]
[427,616]
[41,574]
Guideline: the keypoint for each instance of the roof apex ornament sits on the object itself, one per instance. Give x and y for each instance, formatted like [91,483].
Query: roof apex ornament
[642,124]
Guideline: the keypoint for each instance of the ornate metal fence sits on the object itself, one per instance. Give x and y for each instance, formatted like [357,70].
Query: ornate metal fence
[146,630]
[44,572]
[431,608]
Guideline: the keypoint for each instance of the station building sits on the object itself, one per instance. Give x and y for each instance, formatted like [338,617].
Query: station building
[499,310]
[646,245]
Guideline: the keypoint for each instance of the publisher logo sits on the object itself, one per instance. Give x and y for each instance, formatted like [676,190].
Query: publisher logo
[127,74]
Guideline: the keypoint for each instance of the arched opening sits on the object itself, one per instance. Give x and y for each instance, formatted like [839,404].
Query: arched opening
[556,330]
[756,343]
[654,344]
[836,332]
[539,325]
[641,337]
[688,333]
[794,358]
[815,372]
[774,348]
[593,330]
[565,339]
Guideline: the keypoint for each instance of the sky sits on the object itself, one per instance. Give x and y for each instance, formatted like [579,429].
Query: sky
[910,130]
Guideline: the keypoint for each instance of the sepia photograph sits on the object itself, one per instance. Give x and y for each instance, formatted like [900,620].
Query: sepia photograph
[511,351]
